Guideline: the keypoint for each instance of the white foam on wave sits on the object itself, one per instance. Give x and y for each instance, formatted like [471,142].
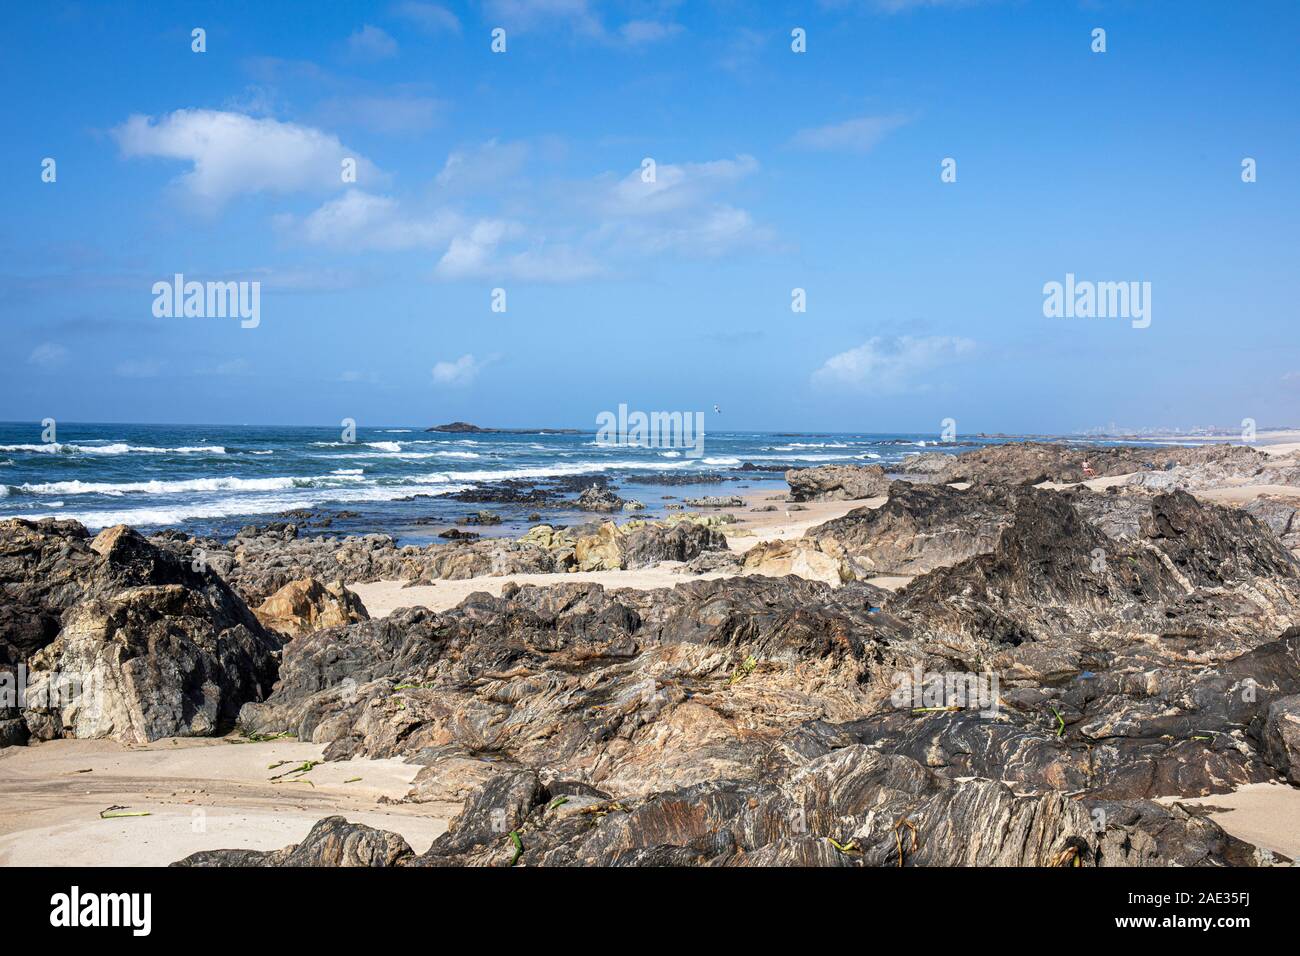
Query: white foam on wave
[116,489]
[404,455]
[797,457]
[114,448]
[559,471]
[809,444]
[243,505]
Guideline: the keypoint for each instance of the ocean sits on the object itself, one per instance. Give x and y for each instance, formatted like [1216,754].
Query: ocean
[213,480]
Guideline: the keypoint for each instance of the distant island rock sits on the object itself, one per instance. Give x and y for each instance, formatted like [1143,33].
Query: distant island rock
[465,428]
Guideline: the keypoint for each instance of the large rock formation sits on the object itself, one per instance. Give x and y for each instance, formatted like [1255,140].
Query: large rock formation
[134,643]
[259,562]
[757,719]
[1029,463]
[920,528]
[837,482]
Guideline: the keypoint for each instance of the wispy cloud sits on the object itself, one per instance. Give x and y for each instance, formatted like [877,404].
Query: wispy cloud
[524,15]
[488,164]
[48,356]
[459,373]
[595,226]
[891,364]
[645,32]
[429,17]
[859,135]
[371,43]
[361,220]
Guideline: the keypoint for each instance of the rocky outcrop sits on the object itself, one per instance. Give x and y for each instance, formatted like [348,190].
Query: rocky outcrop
[599,499]
[757,719]
[1052,573]
[258,565]
[1030,463]
[301,607]
[146,645]
[837,483]
[803,557]
[848,806]
[1279,514]
[920,528]
[1280,737]
[333,841]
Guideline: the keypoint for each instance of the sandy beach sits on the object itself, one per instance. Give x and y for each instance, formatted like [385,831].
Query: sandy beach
[198,794]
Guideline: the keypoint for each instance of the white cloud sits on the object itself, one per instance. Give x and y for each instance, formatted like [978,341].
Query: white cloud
[429,17]
[891,364]
[234,154]
[360,220]
[489,164]
[48,355]
[598,222]
[459,373]
[675,187]
[680,210]
[371,43]
[858,135]
[470,253]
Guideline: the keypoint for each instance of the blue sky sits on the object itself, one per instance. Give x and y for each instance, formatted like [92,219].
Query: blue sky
[774,170]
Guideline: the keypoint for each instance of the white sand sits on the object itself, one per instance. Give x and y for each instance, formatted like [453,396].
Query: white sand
[200,794]
[1265,814]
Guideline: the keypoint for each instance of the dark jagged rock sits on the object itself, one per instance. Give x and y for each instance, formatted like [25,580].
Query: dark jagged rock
[597,498]
[920,527]
[680,541]
[1280,736]
[513,491]
[1053,573]
[144,646]
[333,841]
[715,501]
[831,806]
[837,482]
[1030,463]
